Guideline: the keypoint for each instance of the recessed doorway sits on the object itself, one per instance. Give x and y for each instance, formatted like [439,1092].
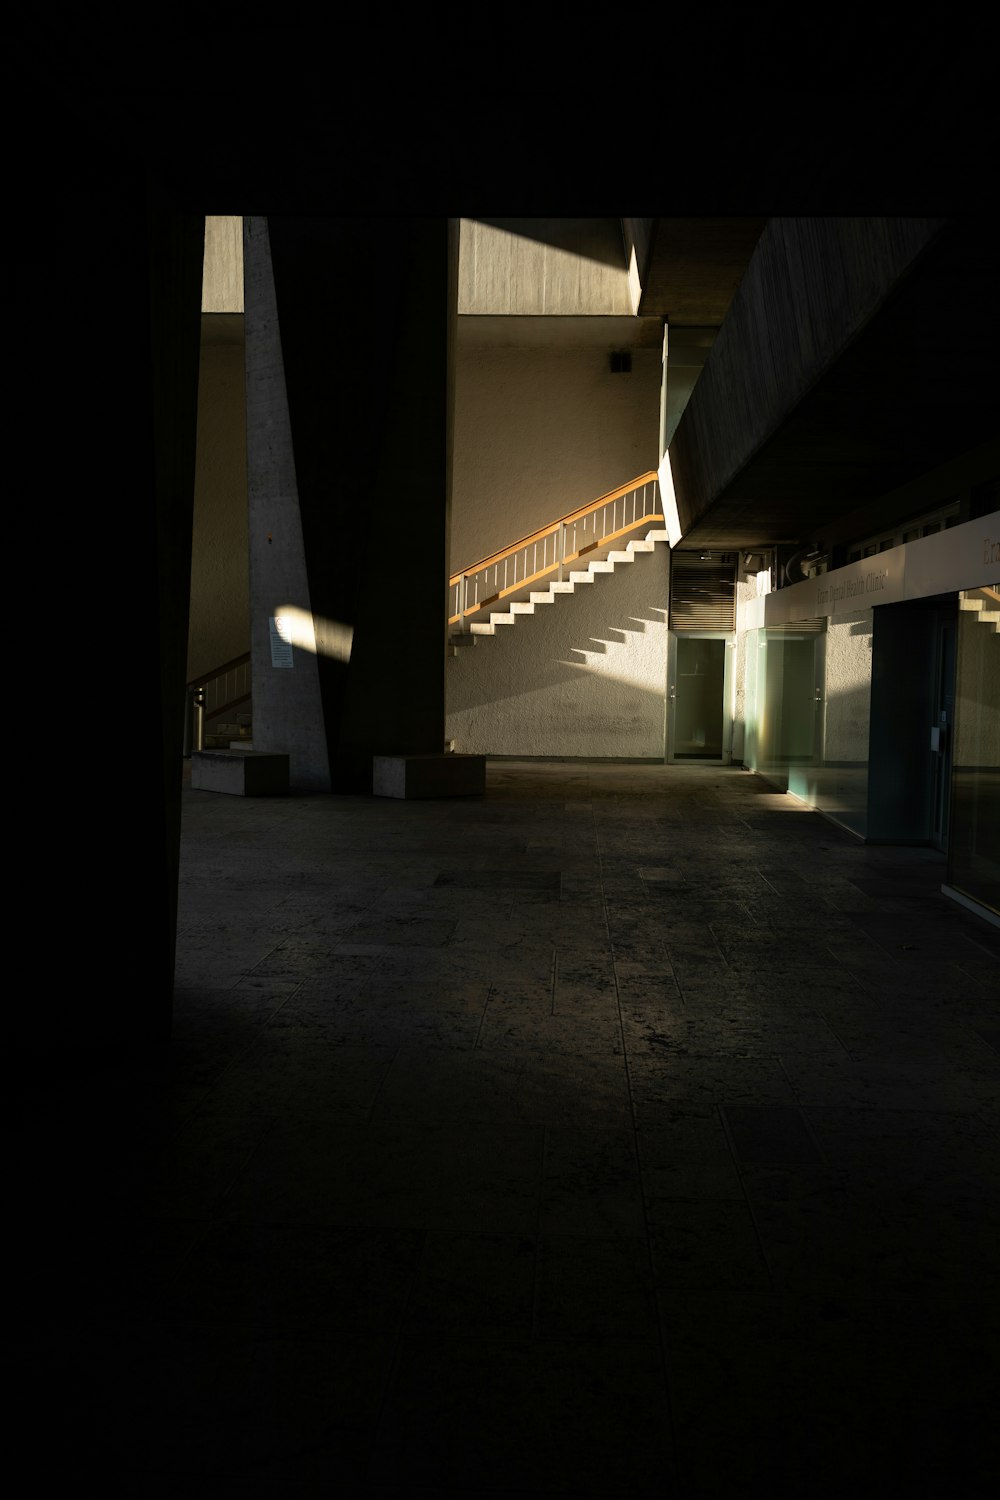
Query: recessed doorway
[699,693]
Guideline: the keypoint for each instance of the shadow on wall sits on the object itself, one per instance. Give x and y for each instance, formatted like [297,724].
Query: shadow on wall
[518,666]
[585,675]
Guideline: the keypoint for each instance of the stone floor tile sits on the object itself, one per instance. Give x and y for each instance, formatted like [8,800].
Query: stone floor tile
[288,1281]
[771,1135]
[821,1228]
[510,1027]
[405,1175]
[342,1216]
[809,1394]
[294,1071]
[684,1153]
[591,1182]
[473,1285]
[908,1085]
[705,1242]
[595,1287]
[706,1079]
[581,1417]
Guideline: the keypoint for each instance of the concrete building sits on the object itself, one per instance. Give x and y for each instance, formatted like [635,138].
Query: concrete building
[827,480]
[816,397]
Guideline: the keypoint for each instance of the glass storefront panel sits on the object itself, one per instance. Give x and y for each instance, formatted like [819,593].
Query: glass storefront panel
[788,665]
[699,698]
[974,845]
[808,688]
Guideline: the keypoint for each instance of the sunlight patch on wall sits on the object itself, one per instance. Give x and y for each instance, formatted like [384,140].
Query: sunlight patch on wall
[313,633]
[669,500]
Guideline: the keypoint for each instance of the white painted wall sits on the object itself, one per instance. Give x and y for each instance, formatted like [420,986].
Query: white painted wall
[501,272]
[848,686]
[220,574]
[585,676]
[222,276]
[746,590]
[541,430]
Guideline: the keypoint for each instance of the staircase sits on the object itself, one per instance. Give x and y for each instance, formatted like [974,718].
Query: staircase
[219,707]
[985,604]
[510,579]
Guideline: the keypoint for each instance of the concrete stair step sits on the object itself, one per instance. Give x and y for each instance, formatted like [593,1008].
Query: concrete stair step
[518,607]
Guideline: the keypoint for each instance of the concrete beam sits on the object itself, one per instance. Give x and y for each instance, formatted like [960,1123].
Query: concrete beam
[813,288]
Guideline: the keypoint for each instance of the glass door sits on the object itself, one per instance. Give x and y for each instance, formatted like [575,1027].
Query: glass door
[942,728]
[699,697]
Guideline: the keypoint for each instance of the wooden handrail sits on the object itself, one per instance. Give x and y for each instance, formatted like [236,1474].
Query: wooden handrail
[571,557]
[573,515]
[216,713]
[238,661]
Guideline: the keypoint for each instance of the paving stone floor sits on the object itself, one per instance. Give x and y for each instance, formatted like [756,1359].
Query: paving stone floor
[628,1132]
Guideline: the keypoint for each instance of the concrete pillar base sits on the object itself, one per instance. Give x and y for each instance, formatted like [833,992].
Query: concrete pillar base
[428,775]
[241,773]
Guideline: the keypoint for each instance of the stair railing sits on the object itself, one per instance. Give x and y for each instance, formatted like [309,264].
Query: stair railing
[213,694]
[548,551]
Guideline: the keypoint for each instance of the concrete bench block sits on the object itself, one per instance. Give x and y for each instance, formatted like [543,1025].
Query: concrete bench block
[428,775]
[241,773]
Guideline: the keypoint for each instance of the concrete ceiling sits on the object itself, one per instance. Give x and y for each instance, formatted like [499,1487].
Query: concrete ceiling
[916,389]
[690,268]
[507,330]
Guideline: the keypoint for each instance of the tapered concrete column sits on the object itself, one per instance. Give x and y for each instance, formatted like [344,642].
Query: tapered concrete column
[365,307]
[287,707]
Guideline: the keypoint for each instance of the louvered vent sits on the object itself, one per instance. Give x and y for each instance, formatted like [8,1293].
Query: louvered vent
[798,627]
[702,592]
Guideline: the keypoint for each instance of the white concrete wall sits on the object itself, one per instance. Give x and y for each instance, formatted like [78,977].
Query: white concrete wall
[220,573]
[848,686]
[501,272]
[746,590]
[539,431]
[222,279]
[585,676]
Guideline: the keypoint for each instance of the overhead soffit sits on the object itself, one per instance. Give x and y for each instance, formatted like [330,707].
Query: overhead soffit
[485,330]
[694,266]
[915,390]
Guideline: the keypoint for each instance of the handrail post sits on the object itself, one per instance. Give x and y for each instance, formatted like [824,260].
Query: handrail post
[465,600]
[194,721]
[562,548]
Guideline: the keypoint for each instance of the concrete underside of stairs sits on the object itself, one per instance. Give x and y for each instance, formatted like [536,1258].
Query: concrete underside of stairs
[582,676]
